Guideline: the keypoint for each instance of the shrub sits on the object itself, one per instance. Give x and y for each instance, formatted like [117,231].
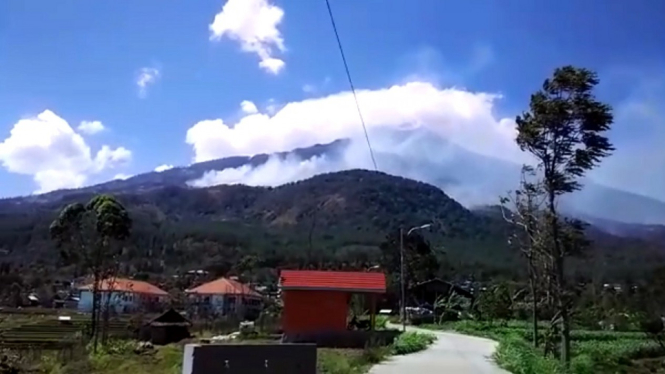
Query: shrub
[381,322]
[518,357]
[412,341]
[374,355]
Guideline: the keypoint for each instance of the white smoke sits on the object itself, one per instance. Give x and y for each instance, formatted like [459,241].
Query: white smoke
[416,130]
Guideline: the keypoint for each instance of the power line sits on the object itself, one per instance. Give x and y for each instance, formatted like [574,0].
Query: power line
[353,89]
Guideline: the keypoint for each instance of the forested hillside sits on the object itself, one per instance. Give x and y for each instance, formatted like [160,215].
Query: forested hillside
[335,220]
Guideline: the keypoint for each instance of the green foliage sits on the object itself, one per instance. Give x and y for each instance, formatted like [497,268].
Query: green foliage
[518,357]
[412,341]
[593,351]
[251,231]
[495,303]
[381,322]
[112,220]
[349,361]
[83,233]
[564,128]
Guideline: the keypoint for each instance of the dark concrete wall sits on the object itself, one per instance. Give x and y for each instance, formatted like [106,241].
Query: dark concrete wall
[251,359]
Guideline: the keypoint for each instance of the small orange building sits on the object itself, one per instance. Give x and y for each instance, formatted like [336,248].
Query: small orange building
[318,301]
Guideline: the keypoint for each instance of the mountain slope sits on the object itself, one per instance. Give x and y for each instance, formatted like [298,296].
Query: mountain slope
[468,177]
[335,218]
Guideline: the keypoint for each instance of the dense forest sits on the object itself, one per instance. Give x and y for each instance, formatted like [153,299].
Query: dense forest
[332,221]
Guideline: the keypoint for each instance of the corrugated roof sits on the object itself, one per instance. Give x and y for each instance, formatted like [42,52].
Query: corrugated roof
[224,286]
[333,280]
[127,285]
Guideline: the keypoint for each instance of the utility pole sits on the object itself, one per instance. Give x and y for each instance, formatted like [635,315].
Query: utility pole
[401,266]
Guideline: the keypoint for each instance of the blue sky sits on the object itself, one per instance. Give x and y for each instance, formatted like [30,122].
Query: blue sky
[86,61]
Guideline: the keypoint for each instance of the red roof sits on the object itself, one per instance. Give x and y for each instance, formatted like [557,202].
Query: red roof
[127,285]
[333,280]
[224,286]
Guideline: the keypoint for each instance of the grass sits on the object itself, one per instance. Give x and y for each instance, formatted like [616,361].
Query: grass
[349,361]
[592,351]
[119,357]
[412,341]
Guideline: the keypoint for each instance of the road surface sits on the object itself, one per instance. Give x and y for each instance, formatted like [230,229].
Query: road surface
[450,353]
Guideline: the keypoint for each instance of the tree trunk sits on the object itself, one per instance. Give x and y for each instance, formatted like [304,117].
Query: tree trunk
[559,281]
[94,326]
[534,303]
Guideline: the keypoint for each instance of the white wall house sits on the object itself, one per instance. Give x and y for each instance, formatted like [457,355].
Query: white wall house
[224,296]
[126,296]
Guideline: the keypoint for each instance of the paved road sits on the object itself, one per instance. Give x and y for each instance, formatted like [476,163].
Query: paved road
[451,353]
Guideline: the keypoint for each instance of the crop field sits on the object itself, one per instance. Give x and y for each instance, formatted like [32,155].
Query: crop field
[50,333]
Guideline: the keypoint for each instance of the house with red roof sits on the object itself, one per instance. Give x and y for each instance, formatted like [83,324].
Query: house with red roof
[123,295]
[318,301]
[224,296]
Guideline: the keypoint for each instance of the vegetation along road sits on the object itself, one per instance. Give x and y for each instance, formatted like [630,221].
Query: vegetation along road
[450,353]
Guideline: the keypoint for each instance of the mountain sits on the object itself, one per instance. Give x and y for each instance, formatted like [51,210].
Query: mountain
[334,220]
[470,178]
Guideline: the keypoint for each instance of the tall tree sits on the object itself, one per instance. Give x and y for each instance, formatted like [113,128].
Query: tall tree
[564,129]
[90,238]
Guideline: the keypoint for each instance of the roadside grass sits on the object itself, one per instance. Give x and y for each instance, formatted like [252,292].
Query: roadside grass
[349,361]
[120,357]
[593,351]
[411,342]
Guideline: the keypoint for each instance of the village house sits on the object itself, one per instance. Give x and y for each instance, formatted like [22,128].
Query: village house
[224,296]
[124,296]
[317,302]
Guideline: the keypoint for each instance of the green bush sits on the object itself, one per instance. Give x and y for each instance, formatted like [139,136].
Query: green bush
[349,361]
[592,351]
[381,322]
[517,356]
[412,341]
[374,355]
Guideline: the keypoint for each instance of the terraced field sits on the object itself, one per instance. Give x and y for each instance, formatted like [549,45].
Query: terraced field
[54,334]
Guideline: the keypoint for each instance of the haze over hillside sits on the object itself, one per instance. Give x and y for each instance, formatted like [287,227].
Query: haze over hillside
[471,178]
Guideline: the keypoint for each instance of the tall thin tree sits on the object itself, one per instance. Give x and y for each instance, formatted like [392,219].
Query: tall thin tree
[525,215]
[564,129]
[90,237]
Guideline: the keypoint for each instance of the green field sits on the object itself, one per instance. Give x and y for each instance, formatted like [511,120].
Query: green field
[47,332]
[593,351]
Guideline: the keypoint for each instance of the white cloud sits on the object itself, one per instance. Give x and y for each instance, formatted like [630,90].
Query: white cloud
[47,148]
[417,130]
[253,24]
[109,158]
[248,107]
[91,127]
[121,176]
[146,77]
[162,168]
[463,117]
